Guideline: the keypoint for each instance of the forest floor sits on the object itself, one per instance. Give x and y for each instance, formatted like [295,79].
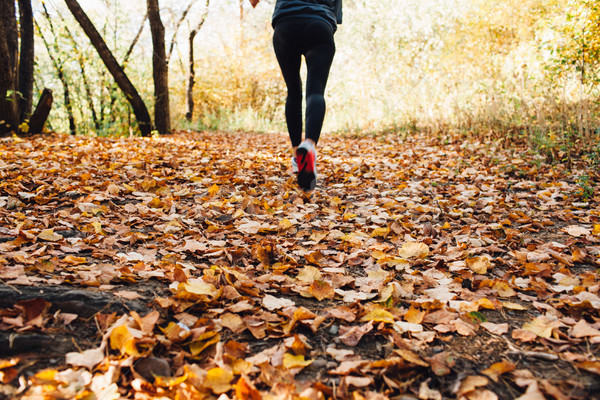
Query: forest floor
[192,267]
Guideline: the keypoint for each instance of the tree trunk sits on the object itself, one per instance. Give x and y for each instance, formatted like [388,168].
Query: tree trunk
[84,78]
[191,77]
[160,70]
[60,72]
[8,67]
[40,115]
[132,95]
[26,59]
[190,89]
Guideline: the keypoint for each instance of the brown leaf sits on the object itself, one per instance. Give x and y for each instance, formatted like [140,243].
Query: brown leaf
[321,290]
[350,336]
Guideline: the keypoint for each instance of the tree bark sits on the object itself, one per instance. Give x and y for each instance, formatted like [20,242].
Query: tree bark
[122,80]
[26,59]
[40,115]
[191,80]
[8,67]
[160,70]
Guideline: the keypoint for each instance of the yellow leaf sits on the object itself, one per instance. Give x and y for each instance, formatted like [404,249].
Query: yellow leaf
[513,306]
[318,236]
[309,274]
[292,361]
[98,228]
[540,326]
[285,224]
[197,287]
[203,342]
[218,380]
[74,260]
[121,339]
[170,381]
[214,189]
[378,314]
[479,265]
[386,293]
[383,232]
[49,235]
[485,303]
[504,290]
[348,216]
[413,250]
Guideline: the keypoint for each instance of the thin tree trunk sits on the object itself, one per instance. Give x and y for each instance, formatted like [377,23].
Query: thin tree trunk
[191,80]
[86,83]
[42,110]
[134,42]
[192,73]
[176,29]
[58,65]
[131,93]
[8,68]
[26,59]
[160,70]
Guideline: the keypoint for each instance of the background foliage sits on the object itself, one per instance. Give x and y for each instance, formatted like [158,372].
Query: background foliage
[500,69]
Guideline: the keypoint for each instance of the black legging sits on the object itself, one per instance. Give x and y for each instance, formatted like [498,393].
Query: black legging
[313,38]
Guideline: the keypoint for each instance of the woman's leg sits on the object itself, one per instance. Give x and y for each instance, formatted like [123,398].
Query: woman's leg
[318,62]
[289,59]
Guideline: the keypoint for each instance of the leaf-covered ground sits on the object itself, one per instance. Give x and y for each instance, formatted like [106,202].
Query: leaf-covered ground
[192,267]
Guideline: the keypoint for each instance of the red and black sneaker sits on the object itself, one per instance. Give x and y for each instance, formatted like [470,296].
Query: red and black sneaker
[306,157]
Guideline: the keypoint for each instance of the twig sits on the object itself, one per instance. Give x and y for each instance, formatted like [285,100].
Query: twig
[536,354]
[11,286]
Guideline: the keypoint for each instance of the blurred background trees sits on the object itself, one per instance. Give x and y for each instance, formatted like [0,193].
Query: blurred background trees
[504,70]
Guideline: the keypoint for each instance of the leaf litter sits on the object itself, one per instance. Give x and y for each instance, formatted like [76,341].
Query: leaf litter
[418,268]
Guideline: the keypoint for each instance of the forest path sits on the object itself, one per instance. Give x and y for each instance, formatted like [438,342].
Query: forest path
[418,266]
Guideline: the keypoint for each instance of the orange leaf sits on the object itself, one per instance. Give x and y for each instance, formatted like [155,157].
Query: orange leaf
[321,290]
[414,316]
[497,369]
[246,391]
[74,260]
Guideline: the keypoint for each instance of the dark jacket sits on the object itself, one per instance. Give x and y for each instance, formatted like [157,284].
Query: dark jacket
[329,10]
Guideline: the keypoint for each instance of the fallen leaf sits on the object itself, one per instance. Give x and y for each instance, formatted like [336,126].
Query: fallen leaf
[470,383]
[87,359]
[218,380]
[295,361]
[413,250]
[272,303]
[496,329]
[497,369]
[479,265]
[50,235]
[576,230]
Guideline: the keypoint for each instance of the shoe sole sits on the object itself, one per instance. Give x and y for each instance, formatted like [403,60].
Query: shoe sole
[307,179]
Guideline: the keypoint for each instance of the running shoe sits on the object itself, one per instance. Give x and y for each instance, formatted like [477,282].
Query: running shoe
[294,165]
[306,157]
